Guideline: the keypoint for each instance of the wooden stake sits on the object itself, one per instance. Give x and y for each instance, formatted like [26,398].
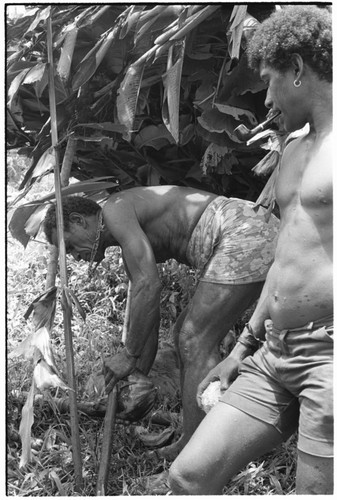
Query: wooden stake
[104,463]
[76,449]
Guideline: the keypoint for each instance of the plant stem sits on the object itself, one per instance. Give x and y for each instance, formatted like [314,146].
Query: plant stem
[76,450]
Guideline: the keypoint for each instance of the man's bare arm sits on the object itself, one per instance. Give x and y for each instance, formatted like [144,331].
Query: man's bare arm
[253,333]
[142,270]
[145,292]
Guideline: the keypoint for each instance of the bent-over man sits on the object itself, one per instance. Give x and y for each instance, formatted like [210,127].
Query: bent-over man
[225,239]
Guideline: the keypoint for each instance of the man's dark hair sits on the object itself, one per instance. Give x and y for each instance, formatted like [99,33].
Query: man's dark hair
[83,206]
[302,29]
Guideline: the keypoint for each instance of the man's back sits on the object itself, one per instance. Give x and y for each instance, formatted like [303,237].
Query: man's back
[166,214]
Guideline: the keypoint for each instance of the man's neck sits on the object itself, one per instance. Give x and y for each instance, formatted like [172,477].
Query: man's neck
[321,114]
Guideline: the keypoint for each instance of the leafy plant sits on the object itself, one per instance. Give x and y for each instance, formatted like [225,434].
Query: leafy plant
[151,93]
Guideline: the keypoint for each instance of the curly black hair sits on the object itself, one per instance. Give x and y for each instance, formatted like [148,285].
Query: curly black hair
[70,204]
[301,29]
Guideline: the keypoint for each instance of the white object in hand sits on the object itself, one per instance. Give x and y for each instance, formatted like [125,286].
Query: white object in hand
[210,396]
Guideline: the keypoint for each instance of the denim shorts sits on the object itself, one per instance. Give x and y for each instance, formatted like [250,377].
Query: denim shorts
[288,383]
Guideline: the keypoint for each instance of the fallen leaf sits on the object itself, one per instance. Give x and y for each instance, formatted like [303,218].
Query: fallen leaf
[26,423]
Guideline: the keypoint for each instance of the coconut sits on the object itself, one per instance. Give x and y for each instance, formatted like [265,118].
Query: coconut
[136,396]
[210,396]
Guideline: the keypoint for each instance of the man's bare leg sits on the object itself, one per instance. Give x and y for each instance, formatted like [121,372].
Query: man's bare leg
[199,330]
[314,475]
[225,441]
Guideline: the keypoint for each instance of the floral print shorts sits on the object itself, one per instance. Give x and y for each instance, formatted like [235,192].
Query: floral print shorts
[232,242]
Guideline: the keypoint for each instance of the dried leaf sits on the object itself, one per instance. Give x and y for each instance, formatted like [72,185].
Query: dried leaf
[40,340]
[45,377]
[127,97]
[67,51]
[235,30]
[26,423]
[171,82]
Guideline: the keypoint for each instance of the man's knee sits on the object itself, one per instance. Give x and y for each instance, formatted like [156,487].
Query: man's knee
[189,343]
[179,483]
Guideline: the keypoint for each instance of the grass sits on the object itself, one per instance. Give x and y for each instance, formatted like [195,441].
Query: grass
[51,471]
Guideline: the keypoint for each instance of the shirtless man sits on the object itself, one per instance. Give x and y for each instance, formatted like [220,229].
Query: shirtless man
[287,383]
[228,241]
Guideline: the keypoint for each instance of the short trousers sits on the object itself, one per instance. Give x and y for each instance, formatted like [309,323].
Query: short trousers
[232,242]
[288,383]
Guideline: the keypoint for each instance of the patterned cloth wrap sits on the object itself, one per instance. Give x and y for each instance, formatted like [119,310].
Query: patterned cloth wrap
[232,242]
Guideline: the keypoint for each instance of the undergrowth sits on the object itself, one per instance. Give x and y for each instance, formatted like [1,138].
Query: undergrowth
[103,298]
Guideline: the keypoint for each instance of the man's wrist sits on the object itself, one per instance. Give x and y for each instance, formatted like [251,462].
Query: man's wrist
[130,354]
[249,339]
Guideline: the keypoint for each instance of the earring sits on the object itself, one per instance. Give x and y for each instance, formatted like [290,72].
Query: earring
[297,83]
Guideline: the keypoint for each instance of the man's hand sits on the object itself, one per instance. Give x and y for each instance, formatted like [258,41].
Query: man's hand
[118,367]
[226,372]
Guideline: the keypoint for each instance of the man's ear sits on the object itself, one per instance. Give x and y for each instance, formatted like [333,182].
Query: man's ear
[77,218]
[297,65]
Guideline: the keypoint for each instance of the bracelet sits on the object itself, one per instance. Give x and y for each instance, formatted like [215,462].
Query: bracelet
[250,340]
[128,353]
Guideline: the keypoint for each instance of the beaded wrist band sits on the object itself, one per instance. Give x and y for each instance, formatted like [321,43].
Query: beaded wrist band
[249,340]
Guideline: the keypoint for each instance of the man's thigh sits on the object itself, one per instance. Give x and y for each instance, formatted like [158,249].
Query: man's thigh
[225,441]
[314,475]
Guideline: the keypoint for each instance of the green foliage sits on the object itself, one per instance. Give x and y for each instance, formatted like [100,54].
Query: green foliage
[147,92]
